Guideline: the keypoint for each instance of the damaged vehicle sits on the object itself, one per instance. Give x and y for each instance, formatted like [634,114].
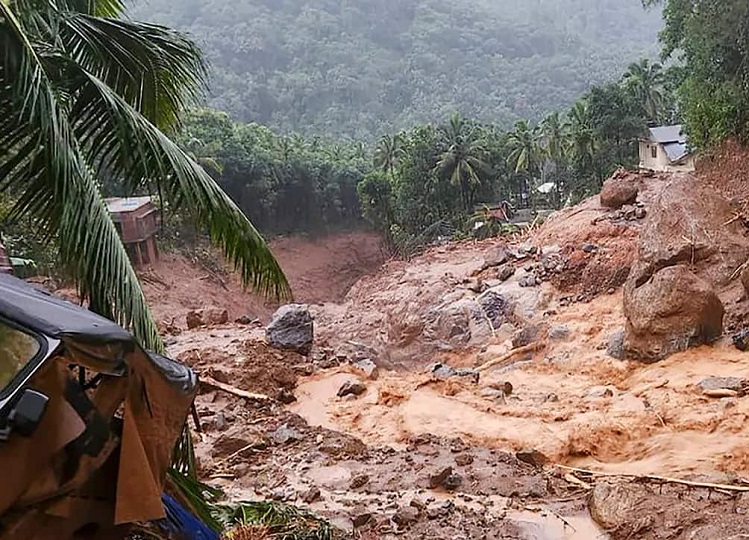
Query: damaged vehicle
[88,420]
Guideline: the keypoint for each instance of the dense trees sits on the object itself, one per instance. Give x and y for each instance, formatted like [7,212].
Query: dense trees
[708,41]
[364,67]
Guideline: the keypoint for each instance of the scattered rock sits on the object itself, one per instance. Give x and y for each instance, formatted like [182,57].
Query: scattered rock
[721,393]
[360,520]
[505,272]
[640,213]
[617,192]
[286,434]
[613,505]
[453,482]
[359,481]
[741,340]
[354,388]
[405,516]
[291,328]
[600,392]
[443,371]
[559,332]
[496,307]
[532,457]
[735,384]
[219,422]
[529,334]
[438,479]
[496,257]
[419,504]
[245,319]
[312,495]
[368,368]
[528,248]
[463,459]
[590,248]
[528,281]
[673,310]
[615,347]
[492,393]
[215,316]
[438,511]
[285,396]
[194,319]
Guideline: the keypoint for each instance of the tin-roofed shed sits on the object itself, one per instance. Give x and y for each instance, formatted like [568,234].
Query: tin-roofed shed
[666,149]
[137,221]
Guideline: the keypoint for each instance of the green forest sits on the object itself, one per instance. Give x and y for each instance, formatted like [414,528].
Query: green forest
[363,68]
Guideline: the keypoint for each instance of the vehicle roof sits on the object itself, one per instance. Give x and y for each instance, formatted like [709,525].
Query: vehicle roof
[38,310]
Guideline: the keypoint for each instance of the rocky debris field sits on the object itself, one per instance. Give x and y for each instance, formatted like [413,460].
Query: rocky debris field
[586,381]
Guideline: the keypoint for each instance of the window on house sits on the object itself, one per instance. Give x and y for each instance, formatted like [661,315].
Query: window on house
[654,152]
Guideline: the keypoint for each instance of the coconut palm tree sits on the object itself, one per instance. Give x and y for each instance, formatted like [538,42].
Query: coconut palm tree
[389,153]
[85,94]
[525,154]
[462,161]
[646,82]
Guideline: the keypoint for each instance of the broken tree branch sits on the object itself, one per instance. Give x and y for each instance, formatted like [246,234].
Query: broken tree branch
[233,390]
[502,359]
[656,478]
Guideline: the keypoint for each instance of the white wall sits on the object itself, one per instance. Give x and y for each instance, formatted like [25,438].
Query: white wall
[661,162]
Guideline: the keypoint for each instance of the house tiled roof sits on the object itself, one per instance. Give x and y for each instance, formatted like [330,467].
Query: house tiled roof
[673,139]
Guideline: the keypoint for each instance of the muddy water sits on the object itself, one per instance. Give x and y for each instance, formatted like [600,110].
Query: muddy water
[572,402]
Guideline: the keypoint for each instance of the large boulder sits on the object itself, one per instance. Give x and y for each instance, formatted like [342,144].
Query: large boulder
[291,328]
[618,191]
[673,310]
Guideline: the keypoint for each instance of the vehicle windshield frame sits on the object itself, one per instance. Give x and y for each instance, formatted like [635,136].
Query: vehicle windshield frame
[23,374]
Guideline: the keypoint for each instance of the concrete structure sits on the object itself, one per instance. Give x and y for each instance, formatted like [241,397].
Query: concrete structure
[665,149]
[5,265]
[137,220]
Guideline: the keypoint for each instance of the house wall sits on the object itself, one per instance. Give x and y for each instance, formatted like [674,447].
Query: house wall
[661,162]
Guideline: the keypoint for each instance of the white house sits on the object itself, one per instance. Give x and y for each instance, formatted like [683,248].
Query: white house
[666,149]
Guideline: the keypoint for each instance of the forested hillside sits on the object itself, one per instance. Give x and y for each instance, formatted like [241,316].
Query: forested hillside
[361,68]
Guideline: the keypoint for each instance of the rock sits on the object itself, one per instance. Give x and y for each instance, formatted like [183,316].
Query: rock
[359,481]
[438,511]
[492,393]
[528,281]
[194,319]
[640,213]
[285,396]
[600,392]
[405,516]
[453,482]
[741,340]
[368,368]
[528,248]
[245,319]
[496,307]
[468,373]
[505,272]
[549,250]
[529,334]
[613,505]
[354,388]
[559,332]
[496,257]
[463,459]
[291,328]
[532,457]
[438,479]
[728,383]
[361,519]
[673,310]
[590,248]
[615,347]
[313,494]
[617,192]
[219,422]
[441,371]
[285,435]
[228,444]
[215,316]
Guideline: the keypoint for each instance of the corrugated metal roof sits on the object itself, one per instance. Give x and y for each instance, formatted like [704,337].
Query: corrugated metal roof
[668,134]
[118,205]
[675,151]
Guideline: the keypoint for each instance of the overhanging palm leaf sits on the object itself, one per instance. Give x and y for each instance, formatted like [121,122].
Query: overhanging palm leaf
[80,97]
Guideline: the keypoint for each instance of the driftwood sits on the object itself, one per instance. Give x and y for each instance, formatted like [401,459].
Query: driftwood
[656,478]
[233,390]
[502,359]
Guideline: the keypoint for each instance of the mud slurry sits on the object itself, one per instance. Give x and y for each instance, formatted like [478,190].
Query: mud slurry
[419,455]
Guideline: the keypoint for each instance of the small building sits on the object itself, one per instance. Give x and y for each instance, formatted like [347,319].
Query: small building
[666,150]
[5,264]
[137,220]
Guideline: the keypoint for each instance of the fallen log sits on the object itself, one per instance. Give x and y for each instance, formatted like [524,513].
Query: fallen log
[502,359]
[656,478]
[208,381]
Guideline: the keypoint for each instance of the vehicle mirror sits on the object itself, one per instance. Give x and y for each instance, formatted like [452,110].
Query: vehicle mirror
[28,412]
